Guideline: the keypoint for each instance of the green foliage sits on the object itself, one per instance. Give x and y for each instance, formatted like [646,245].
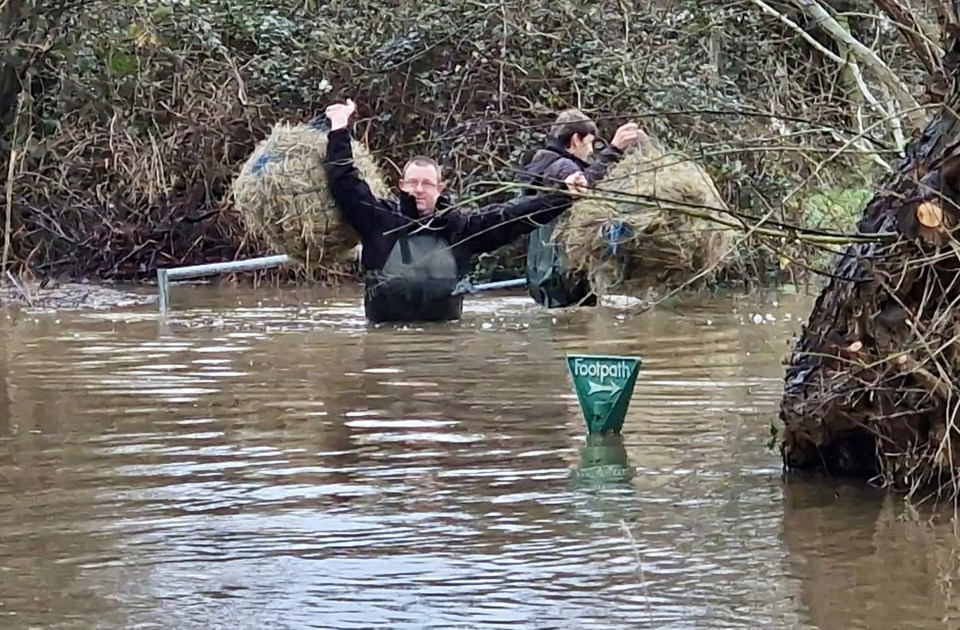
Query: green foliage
[836,210]
[174,94]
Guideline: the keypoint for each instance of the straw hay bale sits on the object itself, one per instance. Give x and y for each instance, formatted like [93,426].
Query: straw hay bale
[632,238]
[282,195]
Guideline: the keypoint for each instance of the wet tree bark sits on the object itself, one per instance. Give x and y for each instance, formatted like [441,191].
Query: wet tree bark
[871,387]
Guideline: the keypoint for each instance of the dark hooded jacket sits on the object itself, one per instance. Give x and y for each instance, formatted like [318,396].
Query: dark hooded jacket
[554,163]
[416,262]
[548,283]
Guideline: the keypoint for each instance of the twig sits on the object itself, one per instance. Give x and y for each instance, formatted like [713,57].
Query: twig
[11,169]
[8,223]
[898,135]
[503,54]
[241,87]
[22,291]
[797,235]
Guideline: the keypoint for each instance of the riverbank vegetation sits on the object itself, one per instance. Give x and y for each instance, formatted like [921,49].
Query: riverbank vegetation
[123,123]
[871,384]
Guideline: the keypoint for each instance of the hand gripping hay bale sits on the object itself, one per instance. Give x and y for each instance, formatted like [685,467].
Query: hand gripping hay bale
[628,234]
[283,196]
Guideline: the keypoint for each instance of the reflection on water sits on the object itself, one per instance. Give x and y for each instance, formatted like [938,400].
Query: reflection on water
[604,460]
[267,460]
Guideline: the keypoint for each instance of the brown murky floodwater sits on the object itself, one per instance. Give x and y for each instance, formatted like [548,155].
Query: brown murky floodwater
[263,460]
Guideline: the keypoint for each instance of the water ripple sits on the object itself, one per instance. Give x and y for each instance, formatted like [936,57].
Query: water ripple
[279,464]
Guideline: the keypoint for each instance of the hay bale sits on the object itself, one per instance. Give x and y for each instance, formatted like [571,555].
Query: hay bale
[638,244]
[282,195]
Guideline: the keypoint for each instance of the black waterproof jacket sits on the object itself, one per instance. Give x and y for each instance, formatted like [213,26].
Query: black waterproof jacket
[467,231]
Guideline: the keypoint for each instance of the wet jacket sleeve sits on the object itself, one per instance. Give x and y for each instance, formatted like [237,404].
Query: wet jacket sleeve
[564,167]
[361,209]
[493,226]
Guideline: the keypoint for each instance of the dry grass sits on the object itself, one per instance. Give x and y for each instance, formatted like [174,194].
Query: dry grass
[283,197]
[657,245]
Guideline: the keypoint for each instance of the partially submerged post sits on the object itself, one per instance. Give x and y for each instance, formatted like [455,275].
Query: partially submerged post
[604,460]
[604,386]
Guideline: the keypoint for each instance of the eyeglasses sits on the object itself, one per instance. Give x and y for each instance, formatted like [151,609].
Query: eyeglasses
[418,183]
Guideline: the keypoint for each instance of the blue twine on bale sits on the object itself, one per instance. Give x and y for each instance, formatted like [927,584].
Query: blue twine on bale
[261,161]
[616,231]
[320,123]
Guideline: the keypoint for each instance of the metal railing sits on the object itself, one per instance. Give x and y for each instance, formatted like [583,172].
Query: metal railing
[164,276]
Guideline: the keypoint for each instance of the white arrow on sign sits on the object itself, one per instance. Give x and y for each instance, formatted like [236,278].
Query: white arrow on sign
[597,387]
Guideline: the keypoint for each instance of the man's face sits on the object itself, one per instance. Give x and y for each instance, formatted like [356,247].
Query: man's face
[423,182]
[582,146]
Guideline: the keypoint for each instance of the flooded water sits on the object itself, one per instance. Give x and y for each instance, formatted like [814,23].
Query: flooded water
[264,460]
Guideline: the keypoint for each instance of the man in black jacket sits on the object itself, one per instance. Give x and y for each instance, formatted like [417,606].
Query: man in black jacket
[414,252]
[569,147]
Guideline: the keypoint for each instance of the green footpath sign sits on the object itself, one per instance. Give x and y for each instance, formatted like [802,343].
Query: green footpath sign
[604,386]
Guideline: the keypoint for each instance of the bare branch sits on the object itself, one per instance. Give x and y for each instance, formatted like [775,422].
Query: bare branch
[849,63]
[911,108]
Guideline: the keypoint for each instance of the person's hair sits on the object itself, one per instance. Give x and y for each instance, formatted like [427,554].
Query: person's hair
[572,122]
[423,160]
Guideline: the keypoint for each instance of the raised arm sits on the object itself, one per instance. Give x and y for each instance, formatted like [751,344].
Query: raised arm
[360,207]
[495,225]
[599,167]
[627,135]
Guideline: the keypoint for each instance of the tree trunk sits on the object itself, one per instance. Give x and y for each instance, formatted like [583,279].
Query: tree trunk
[871,386]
